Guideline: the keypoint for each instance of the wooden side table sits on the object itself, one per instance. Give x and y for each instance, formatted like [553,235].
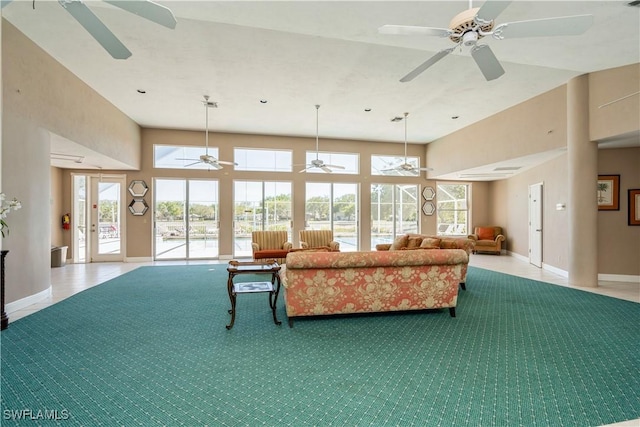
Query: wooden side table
[267,266]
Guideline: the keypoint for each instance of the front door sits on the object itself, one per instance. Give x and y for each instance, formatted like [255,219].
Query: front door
[535,224]
[106,215]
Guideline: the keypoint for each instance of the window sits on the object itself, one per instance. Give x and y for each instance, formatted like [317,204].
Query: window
[349,161]
[386,165]
[453,209]
[394,211]
[251,159]
[178,157]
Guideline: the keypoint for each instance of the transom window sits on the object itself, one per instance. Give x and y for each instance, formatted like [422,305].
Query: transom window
[259,160]
[387,165]
[179,157]
[349,161]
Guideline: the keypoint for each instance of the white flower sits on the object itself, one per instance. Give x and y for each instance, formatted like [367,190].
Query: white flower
[5,208]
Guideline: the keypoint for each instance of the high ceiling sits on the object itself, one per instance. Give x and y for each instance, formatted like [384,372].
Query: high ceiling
[296,54]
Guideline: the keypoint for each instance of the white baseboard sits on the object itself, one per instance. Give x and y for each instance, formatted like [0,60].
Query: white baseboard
[225,257]
[555,270]
[27,301]
[518,256]
[619,278]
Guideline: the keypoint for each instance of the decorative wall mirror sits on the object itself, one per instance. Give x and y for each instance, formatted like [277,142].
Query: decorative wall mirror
[428,193]
[138,188]
[138,207]
[428,208]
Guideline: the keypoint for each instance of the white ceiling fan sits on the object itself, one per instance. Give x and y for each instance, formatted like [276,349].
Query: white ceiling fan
[469,26]
[206,158]
[317,163]
[99,31]
[406,167]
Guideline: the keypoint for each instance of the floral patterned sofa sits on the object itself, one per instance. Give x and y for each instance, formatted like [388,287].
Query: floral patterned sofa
[422,241]
[322,283]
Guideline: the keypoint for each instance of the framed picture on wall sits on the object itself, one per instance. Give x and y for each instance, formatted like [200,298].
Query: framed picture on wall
[634,206]
[608,192]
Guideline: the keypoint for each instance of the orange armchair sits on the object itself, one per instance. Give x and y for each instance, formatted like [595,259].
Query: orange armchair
[487,239]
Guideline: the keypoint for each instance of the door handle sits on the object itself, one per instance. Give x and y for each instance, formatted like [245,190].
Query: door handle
[539,229]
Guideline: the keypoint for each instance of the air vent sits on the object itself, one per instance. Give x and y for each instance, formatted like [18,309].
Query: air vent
[396,119]
[634,3]
[507,168]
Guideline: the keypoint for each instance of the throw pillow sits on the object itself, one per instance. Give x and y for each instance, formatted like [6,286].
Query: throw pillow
[485,233]
[399,243]
[430,243]
[414,242]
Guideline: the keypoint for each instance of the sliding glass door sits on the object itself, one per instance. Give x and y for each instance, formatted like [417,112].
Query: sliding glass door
[333,206]
[186,219]
[259,205]
[394,211]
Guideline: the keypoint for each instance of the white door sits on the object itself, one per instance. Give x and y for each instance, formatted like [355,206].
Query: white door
[535,224]
[106,218]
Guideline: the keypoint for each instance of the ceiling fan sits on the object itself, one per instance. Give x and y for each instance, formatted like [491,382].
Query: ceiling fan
[406,166]
[206,158]
[469,26]
[99,31]
[317,163]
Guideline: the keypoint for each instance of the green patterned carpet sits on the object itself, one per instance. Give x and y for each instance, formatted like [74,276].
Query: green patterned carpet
[151,348]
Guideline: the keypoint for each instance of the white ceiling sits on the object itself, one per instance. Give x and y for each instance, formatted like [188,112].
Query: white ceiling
[300,53]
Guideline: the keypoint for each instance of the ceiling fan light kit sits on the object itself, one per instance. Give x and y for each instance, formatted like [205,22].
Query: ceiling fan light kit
[471,25]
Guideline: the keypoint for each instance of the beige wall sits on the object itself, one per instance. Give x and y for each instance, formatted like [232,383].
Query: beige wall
[621,117]
[40,97]
[619,242]
[535,126]
[57,210]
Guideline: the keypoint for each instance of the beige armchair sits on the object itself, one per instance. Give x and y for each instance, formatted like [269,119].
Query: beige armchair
[487,239]
[270,245]
[318,239]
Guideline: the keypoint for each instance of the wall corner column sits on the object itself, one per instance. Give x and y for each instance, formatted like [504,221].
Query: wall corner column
[583,176]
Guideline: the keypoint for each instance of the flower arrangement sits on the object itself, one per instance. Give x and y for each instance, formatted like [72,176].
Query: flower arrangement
[5,208]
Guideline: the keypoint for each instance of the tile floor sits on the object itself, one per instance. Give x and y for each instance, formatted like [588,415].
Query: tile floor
[74,278]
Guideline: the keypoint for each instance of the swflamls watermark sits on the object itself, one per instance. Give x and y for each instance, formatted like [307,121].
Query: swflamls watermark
[35,415]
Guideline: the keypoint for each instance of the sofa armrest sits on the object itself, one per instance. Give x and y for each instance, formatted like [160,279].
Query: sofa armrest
[334,246]
[287,246]
[255,247]
[304,245]
[383,246]
[473,237]
[500,238]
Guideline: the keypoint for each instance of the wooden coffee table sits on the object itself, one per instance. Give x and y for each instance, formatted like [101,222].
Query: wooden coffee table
[267,266]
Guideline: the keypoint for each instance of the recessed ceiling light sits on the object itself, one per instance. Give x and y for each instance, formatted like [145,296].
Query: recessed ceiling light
[367,109]
[142,91]
[455,117]
[263,101]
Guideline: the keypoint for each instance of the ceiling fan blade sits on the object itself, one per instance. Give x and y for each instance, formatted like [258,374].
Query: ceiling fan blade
[408,30]
[96,28]
[487,61]
[335,166]
[426,64]
[222,162]
[326,169]
[147,9]
[182,158]
[306,169]
[560,26]
[490,10]
[191,164]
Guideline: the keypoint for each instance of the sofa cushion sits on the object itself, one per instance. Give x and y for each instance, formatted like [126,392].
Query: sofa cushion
[485,233]
[430,243]
[414,242]
[399,243]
